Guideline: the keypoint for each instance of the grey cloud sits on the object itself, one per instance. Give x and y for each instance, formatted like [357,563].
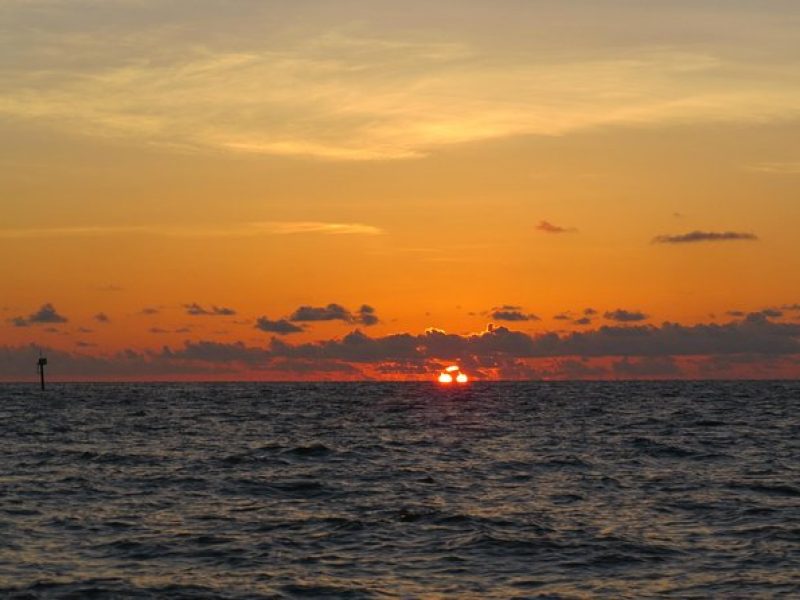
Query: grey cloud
[578,369]
[280,326]
[101,317]
[217,352]
[583,321]
[195,310]
[46,314]
[335,312]
[625,316]
[511,313]
[657,366]
[704,236]
[150,310]
[643,350]
[331,312]
[548,227]
[366,315]
[755,335]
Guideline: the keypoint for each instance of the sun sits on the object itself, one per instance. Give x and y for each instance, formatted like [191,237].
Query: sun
[451,374]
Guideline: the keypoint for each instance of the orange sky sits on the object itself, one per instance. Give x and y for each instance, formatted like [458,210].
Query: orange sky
[435,163]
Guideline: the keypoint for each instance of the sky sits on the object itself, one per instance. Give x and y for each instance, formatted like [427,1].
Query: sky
[259,190]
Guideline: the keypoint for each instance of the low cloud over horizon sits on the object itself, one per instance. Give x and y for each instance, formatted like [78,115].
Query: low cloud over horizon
[755,345]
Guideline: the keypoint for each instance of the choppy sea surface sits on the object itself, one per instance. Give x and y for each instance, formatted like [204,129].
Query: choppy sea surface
[400,490]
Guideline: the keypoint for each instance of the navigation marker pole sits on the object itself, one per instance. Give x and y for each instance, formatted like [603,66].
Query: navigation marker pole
[40,366]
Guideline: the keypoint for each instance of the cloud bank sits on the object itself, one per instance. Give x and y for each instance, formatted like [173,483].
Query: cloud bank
[756,345]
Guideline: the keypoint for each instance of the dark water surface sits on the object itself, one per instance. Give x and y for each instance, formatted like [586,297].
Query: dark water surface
[361,490]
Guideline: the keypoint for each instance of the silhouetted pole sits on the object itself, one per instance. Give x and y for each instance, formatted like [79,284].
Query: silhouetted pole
[42,362]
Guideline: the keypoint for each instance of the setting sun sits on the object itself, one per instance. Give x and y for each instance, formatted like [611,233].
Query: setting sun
[453,373]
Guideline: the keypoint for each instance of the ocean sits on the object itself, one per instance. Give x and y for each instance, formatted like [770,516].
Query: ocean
[400,490]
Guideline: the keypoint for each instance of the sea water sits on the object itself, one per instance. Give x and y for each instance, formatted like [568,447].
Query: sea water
[400,490]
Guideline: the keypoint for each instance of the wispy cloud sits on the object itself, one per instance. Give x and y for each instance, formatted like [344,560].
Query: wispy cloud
[196,310]
[548,227]
[200,231]
[346,96]
[780,168]
[704,236]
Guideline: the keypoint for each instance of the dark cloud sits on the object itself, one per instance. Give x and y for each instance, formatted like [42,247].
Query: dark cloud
[790,307]
[766,313]
[562,317]
[583,321]
[195,310]
[510,312]
[85,330]
[281,326]
[15,364]
[217,352]
[548,227]
[656,366]
[157,330]
[578,369]
[736,348]
[704,236]
[47,314]
[589,312]
[150,310]
[366,315]
[101,317]
[755,334]
[625,316]
[334,312]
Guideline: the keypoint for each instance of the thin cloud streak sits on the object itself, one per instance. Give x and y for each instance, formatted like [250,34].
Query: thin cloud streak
[704,236]
[548,227]
[340,96]
[240,230]
[778,168]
